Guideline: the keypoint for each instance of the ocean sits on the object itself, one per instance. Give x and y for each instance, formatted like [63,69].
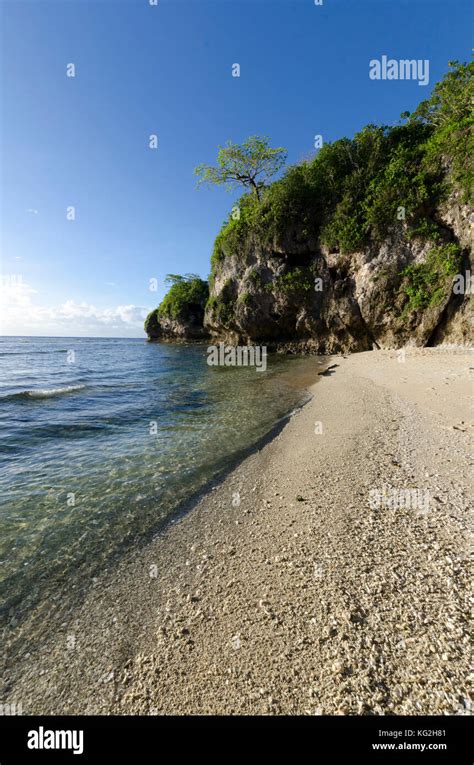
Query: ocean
[104,440]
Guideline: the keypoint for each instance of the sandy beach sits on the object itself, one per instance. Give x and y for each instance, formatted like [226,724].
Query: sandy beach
[326,574]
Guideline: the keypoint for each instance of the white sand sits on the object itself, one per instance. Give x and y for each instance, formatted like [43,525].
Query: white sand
[283,590]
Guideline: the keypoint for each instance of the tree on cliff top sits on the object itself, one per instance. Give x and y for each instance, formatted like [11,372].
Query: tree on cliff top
[249,164]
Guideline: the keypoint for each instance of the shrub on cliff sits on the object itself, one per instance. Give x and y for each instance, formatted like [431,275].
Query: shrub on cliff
[183,305]
[355,189]
[449,113]
[427,284]
[186,292]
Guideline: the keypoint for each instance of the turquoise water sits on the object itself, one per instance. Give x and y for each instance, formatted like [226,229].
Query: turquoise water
[99,447]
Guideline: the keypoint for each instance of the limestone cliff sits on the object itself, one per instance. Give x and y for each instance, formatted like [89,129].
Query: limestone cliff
[306,296]
[369,244]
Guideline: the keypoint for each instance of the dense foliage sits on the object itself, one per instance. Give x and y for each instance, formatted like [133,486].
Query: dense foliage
[355,189]
[425,283]
[187,294]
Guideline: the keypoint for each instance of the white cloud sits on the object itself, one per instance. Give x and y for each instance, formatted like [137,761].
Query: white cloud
[19,314]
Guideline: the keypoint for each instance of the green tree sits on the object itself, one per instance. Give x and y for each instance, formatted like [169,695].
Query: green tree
[249,164]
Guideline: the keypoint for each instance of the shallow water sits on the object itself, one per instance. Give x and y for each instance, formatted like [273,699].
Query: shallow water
[99,447]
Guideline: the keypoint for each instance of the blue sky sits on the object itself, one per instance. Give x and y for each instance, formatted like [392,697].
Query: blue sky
[167,69]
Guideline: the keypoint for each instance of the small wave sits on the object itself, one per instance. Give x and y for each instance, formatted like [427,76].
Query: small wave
[44,393]
[33,353]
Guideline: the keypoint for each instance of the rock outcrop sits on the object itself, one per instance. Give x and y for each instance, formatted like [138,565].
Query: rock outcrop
[184,327]
[180,316]
[304,297]
[369,244]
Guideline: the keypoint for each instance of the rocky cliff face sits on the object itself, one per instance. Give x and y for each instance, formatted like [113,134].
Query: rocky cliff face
[368,244]
[457,322]
[302,296]
[185,327]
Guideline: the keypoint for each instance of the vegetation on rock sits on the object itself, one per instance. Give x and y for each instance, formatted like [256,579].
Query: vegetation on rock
[353,190]
[382,189]
[377,218]
[181,312]
[425,283]
[185,292]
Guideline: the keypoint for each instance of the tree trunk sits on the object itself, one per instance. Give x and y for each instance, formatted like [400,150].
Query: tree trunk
[255,188]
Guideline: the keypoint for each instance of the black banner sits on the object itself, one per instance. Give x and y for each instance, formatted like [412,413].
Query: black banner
[368,739]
